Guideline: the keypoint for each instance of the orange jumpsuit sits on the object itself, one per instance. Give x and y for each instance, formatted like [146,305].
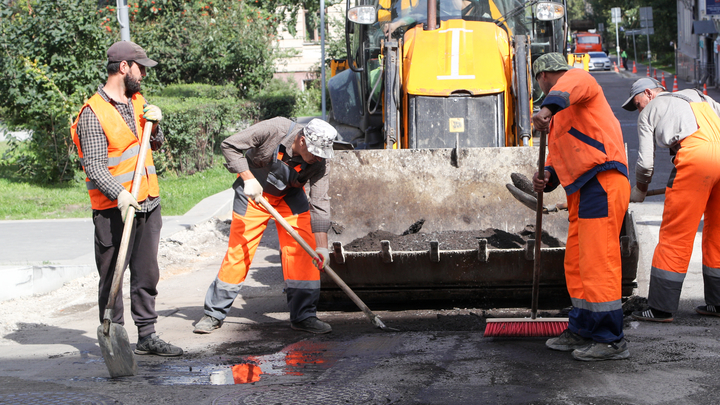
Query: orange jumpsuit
[693,190]
[586,155]
[265,149]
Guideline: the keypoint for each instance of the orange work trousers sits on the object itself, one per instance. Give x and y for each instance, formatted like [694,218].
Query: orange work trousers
[302,278]
[693,191]
[593,266]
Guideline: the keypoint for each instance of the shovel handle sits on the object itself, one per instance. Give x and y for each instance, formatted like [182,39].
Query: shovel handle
[127,229]
[279,219]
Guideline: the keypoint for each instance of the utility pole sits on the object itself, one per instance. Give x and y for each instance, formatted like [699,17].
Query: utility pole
[646,21]
[322,56]
[123,19]
[617,19]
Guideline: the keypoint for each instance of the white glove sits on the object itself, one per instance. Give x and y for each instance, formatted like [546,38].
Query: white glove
[324,254]
[253,189]
[125,200]
[637,196]
[152,113]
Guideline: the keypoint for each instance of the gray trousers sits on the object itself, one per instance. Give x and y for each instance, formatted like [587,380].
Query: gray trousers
[142,259]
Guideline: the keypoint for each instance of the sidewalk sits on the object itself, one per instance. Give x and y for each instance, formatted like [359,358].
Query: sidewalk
[39,256]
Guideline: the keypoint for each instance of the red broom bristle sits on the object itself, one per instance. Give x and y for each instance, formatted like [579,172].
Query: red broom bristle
[525,328]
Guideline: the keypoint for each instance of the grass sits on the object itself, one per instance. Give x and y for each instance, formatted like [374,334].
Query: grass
[21,200]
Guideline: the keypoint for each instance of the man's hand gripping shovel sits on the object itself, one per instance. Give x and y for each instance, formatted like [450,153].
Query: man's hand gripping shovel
[374,319]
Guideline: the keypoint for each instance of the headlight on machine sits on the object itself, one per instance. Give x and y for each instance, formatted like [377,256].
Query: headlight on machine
[362,15]
[547,11]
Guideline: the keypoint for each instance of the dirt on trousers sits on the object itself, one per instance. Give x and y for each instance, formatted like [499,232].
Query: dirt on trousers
[450,240]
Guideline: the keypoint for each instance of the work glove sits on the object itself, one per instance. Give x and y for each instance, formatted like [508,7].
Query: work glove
[253,189]
[152,113]
[125,200]
[636,195]
[323,258]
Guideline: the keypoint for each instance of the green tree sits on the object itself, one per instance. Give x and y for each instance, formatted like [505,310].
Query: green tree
[51,59]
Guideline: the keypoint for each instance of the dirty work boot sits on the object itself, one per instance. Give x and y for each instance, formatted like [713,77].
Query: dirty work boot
[207,324]
[312,325]
[653,315]
[711,310]
[602,351]
[567,341]
[152,344]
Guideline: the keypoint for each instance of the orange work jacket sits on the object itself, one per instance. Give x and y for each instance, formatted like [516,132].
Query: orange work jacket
[123,149]
[585,137]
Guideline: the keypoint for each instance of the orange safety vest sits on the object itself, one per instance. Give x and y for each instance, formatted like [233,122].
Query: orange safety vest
[585,137]
[123,149]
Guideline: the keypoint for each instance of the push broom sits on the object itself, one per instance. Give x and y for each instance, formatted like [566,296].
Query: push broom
[533,326]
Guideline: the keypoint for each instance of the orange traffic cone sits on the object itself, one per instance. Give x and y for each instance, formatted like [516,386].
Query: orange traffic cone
[655,74]
[648,72]
[675,87]
[615,68]
[705,89]
[634,68]
[662,82]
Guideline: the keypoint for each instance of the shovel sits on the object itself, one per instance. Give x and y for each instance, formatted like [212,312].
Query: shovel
[374,319]
[112,337]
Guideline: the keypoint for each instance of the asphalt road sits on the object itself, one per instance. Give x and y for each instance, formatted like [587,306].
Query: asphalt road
[436,357]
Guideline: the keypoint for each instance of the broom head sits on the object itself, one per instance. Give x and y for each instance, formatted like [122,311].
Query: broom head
[525,327]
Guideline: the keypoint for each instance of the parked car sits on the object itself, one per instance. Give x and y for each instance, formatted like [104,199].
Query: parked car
[599,61]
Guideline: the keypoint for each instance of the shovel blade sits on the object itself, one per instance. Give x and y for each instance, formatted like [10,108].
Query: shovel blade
[115,347]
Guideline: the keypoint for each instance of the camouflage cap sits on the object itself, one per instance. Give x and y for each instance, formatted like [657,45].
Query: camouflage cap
[550,62]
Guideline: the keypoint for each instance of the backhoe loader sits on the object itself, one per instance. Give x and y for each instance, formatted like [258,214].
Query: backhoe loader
[437,105]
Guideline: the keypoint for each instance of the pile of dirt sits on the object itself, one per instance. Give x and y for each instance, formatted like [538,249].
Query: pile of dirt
[451,240]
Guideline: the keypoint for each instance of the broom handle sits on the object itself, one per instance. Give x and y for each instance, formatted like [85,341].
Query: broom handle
[538,232]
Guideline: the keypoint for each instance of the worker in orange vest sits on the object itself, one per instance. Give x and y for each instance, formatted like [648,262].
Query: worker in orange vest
[586,155]
[107,133]
[692,133]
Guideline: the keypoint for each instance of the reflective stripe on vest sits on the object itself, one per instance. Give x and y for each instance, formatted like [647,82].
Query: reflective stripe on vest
[123,149]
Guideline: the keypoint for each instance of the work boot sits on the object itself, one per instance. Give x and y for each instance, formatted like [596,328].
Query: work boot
[152,344]
[653,315]
[711,310]
[602,351]
[567,341]
[312,325]
[207,324]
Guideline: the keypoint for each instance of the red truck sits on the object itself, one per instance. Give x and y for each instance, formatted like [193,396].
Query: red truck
[587,42]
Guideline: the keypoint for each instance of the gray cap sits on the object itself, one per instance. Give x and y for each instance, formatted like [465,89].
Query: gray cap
[550,62]
[126,50]
[638,87]
[319,137]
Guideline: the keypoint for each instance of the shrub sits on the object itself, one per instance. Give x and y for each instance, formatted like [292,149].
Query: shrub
[277,99]
[199,90]
[194,128]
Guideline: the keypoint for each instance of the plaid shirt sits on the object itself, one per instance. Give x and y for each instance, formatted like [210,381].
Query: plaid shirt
[94,146]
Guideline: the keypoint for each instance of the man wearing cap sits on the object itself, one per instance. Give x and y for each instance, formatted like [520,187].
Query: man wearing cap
[687,123]
[107,134]
[586,155]
[277,159]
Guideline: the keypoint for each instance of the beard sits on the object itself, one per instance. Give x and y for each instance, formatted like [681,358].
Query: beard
[132,86]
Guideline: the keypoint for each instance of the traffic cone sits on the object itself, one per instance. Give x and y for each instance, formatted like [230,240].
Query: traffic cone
[615,68]
[705,89]
[648,72]
[634,68]
[662,82]
[655,74]
[675,87]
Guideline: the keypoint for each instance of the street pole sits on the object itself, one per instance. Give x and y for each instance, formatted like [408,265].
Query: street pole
[123,19]
[322,56]
[617,42]
[634,49]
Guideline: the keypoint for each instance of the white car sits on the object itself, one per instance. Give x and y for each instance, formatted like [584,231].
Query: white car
[599,61]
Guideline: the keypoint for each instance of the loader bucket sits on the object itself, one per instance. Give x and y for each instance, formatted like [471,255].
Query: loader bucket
[452,190]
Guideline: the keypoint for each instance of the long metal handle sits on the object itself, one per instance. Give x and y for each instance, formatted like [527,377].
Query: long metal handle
[373,318]
[127,230]
[538,232]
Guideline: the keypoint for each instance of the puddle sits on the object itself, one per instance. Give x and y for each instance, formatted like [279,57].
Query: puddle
[295,360]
